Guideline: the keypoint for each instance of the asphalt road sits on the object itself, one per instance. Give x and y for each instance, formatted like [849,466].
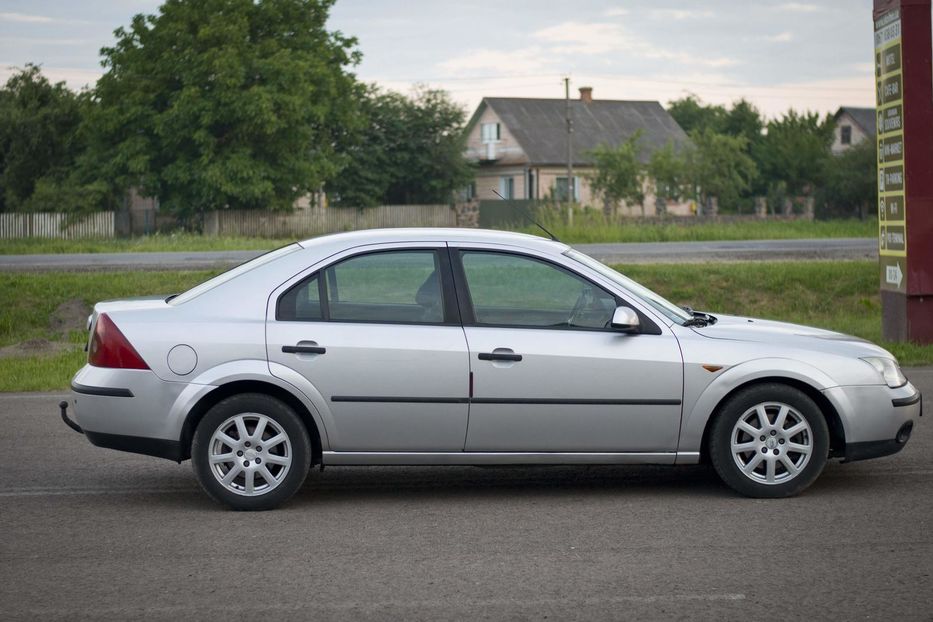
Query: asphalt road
[87,533]
[646,252]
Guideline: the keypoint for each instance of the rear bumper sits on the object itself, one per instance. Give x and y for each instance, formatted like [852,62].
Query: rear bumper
[158,447]
[128,410]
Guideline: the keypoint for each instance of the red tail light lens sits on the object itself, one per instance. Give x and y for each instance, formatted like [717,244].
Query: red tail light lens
[110,348]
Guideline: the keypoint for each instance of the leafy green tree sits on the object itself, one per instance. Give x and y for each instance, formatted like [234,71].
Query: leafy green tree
[225,103]
[795,151]
[692,114]
[39,139]
[409,151]
[851,183]
[667,167]
[619,174]
[719,167]
[744,120]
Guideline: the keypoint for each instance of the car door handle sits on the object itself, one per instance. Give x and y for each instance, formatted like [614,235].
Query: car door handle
[304,349]
[499,356]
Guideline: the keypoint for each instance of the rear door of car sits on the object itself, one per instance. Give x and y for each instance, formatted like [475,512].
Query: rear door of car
[548,374]
[377,333]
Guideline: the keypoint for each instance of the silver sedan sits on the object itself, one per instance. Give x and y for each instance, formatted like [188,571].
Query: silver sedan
[469,347]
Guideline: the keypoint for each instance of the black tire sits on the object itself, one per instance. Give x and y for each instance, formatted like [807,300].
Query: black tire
[778,447]
[295,449]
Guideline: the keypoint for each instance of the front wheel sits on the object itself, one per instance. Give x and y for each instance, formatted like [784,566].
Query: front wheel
[769,440]
[251,452]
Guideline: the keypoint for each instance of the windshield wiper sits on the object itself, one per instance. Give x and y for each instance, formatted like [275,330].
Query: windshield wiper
[699,318]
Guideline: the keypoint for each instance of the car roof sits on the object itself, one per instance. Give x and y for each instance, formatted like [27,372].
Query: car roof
[434,234]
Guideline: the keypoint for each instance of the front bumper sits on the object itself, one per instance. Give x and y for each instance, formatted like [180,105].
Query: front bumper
[877,420]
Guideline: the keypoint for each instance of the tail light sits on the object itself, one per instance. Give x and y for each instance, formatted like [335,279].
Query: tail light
[110,348]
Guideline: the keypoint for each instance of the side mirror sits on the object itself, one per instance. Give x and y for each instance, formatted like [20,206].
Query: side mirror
[625,319]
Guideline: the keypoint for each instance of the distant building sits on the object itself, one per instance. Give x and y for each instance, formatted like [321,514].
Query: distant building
[853,125]
[520,144]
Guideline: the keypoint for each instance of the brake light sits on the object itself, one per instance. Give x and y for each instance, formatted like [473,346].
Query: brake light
[110,348]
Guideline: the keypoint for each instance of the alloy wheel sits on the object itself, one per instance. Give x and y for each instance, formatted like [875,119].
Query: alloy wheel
[250,454]
[771,443]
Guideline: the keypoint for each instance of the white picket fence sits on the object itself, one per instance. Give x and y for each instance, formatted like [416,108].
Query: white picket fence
[316,221]
[53,225]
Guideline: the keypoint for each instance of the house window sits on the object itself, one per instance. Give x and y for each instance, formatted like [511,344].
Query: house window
[845,134]
[507,187]
[560,188]
[490,132]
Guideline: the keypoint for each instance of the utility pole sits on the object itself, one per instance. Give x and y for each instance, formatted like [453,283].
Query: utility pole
[569,152]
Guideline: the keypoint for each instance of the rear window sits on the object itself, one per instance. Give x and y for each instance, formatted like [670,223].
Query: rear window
[233,273]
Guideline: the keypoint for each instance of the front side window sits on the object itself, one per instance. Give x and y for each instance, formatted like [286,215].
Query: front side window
[512,290]
[667,308]
[392,287]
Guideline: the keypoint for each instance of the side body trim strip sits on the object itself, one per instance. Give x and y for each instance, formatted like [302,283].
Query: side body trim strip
[505,400]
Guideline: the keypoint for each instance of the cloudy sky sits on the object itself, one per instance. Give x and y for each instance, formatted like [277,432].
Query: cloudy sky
[811,54]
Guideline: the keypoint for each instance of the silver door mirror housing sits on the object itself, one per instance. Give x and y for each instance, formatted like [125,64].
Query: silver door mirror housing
[625,319]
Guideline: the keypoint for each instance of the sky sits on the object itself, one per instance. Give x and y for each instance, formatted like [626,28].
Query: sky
[809,55]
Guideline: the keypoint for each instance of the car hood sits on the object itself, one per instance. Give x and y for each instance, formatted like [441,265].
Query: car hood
[738,328]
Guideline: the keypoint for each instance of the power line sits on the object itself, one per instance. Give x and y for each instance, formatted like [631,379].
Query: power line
[631,80]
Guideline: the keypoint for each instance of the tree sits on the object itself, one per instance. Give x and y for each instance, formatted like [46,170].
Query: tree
[667,166]
[692,114]
[225,103]
[718,167]
[410,151]
[39,139]
[619,174]
[795,151]
[851,182]
[744,120]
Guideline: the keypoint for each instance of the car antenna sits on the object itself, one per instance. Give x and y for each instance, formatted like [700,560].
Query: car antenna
[533,221]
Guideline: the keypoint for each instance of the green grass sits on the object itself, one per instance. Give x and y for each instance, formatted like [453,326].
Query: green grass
[29,303]
[840,296]
[589,227]
[143,244]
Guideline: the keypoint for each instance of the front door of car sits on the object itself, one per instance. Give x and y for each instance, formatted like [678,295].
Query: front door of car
[378,336]
[549,375]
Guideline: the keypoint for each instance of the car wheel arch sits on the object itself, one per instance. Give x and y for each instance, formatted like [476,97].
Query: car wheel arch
[207,401]
[837,437]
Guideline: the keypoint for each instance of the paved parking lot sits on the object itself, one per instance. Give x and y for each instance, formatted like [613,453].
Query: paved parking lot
[91,533]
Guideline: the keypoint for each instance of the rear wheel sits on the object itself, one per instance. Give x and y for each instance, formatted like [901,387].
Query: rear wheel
[769,440]
[251,452]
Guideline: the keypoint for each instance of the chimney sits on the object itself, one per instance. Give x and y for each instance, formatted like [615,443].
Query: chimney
[586,94]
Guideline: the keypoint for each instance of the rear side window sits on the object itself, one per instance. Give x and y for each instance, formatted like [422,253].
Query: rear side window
[301,303]
[393,287]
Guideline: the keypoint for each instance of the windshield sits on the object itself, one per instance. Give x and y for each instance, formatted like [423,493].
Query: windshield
[222,278]
[658,302]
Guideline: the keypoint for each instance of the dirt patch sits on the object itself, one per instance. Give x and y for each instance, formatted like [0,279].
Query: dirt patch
[35,347]
[70,315]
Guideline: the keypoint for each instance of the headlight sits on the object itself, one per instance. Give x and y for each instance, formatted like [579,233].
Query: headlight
[888,369]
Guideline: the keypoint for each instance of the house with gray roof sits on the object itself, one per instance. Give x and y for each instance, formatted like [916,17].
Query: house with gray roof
[520,144]
[853,125]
